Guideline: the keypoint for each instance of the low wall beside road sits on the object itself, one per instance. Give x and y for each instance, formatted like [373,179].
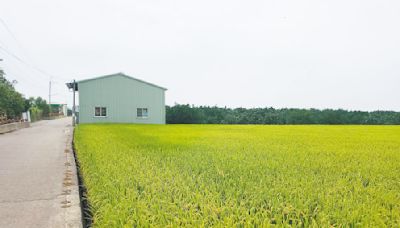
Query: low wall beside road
[13,126]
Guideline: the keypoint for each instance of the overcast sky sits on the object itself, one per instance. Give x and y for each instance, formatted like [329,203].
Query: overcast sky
[280,53]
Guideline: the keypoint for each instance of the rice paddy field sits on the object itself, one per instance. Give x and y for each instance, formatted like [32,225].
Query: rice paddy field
[240,175]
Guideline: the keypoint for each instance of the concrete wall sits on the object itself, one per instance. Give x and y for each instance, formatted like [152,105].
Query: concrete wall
[121,96]
[13,126]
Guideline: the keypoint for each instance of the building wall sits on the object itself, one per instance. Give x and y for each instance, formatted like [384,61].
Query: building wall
[122,96]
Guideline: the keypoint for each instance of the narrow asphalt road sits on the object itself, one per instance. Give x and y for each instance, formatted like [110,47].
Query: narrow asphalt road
[38,176]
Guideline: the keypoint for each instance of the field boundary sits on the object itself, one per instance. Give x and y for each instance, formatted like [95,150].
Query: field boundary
[86,213]
[70,195]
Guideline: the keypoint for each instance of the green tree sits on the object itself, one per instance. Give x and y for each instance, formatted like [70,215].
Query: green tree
[12,103]
[216,115]
[42,105]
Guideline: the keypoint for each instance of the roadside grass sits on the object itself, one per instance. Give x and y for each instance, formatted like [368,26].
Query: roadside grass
[236,175]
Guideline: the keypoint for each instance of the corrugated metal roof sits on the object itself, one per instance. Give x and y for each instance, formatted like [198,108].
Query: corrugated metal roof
[123,75]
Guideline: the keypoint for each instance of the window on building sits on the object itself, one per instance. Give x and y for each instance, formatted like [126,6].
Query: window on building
[104,111]
[100,111]
[97,111]
[142,112]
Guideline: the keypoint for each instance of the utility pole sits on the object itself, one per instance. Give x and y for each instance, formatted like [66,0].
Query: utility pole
[73,104]
[50,97]
[1,70]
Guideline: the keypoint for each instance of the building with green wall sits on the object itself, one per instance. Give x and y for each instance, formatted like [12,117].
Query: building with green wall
[119,98]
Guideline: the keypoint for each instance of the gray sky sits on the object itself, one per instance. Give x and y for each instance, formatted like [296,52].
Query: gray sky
[280,53]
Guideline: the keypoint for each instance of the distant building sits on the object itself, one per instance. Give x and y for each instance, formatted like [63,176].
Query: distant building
[58,109]
[119,98]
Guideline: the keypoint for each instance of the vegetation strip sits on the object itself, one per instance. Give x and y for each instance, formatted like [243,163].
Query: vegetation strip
[85,206]
[240,175]
[187,114]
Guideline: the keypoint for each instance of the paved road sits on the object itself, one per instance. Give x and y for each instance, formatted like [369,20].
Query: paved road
[36,176]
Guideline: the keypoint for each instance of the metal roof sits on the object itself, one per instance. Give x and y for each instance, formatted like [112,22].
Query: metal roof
[118,74]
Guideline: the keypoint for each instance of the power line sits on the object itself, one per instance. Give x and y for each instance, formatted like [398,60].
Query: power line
[11,33]
[39,86]
[31,66]
[42,72]
[23,61]
[20,59]
[32,81]
[15,39]
[13,55]
[26,73]
[22,74]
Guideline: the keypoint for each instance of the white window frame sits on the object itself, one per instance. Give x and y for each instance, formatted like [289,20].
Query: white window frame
[142,117]
[101,109]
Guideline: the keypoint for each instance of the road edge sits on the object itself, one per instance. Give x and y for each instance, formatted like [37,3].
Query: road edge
[87,217]
[72,202]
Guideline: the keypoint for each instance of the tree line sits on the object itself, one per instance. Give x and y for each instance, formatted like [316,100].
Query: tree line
[13,103]
[189,114]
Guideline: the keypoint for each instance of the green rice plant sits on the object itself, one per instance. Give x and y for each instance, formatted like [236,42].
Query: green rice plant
[240,176]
